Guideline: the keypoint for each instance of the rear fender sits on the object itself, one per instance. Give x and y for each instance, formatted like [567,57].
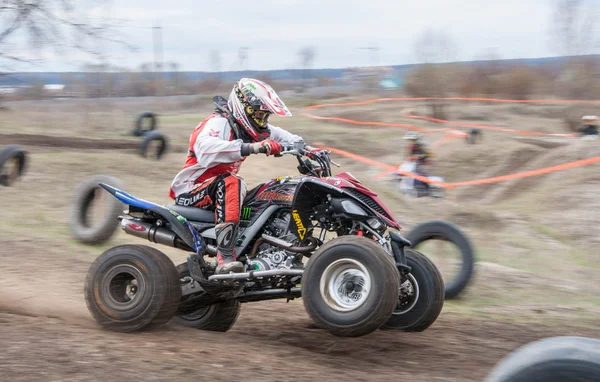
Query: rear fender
[178,223]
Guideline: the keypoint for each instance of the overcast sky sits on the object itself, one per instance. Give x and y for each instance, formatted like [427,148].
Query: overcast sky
[276,30]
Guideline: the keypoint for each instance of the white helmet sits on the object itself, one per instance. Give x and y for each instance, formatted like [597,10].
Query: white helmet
[252,102]
[411,136]
[590,120]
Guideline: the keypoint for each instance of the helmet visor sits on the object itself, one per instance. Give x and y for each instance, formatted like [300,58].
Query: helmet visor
[259,117]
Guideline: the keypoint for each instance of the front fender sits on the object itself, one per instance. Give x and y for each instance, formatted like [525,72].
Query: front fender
[309,193]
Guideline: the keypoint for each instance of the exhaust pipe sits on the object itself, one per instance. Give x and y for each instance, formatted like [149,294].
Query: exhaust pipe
[151,232]
[289,246]
[158,234]
[254,274]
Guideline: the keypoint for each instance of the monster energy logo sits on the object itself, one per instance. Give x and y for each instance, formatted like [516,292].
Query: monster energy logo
[246,211]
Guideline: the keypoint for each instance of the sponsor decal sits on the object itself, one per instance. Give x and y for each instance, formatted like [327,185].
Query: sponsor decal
[246,212]
[136,227]
[248,88]
[299,225]
[270,195]
[220,201]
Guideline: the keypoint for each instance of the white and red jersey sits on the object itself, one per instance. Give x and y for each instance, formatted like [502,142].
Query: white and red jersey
[213,151]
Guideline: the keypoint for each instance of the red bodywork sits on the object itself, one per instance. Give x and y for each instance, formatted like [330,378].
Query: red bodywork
[346,180]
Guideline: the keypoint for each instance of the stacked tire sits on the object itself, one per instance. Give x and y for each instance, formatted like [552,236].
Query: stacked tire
[554,359]
[448,232]
[88,194]
[13,162]
[154,144]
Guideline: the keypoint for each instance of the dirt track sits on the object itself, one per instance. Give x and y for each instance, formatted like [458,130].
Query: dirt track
[46,334]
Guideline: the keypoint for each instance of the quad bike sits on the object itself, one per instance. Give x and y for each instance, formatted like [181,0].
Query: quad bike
[414,187]
[361,280]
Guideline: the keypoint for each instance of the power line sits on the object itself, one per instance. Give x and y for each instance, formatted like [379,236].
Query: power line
[158,55]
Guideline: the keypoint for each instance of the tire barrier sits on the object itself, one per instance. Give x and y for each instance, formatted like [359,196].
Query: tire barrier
[86,196]
[139,124]
[554,359]
[13,162]
[147,150]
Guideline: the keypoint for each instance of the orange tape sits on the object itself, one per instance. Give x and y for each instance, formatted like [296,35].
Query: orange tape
[466,124]
[366,102]
[541,171]
[452,134]
[497,179]
[351,121]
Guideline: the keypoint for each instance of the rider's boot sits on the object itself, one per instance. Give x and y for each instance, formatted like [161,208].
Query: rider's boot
[226,239]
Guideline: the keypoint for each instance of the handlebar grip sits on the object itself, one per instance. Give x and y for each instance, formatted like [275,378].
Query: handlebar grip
[262,150]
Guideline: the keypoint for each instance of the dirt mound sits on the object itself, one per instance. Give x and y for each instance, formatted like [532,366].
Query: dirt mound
[475,218]
[544,142]
[513,161]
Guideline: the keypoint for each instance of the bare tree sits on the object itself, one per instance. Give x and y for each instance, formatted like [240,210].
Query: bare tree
[574,27]
[431,78]
[215,60]
[55,24]
[307,58]
[175,81]
[575,33]
[435,46]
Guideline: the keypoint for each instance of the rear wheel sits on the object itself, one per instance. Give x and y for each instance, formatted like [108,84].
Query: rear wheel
[218,317]
[132,287]
[350,286]
[421,296]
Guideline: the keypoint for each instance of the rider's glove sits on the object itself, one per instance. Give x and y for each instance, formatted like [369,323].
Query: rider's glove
[269,147]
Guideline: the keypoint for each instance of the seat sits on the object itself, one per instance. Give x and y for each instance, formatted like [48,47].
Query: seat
[194,214]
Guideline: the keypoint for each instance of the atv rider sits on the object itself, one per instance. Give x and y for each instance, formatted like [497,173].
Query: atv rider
[590,127]
[420,153]
[216,151]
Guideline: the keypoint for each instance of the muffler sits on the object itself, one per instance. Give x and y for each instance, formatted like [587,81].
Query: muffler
[151,232]
[158,234]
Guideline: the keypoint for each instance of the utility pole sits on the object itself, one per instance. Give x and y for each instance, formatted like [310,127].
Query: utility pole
[158,56]
[374,50]
[243,58]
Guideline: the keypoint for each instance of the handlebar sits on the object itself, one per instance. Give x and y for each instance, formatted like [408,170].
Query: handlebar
[299,150]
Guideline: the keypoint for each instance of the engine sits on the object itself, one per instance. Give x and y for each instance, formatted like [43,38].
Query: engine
[269,257]
[272,258]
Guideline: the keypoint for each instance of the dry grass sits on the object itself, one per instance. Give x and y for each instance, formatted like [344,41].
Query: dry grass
[539,231]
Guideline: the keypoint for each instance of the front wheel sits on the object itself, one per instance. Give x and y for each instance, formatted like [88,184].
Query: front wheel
[350,287]
[421,296]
